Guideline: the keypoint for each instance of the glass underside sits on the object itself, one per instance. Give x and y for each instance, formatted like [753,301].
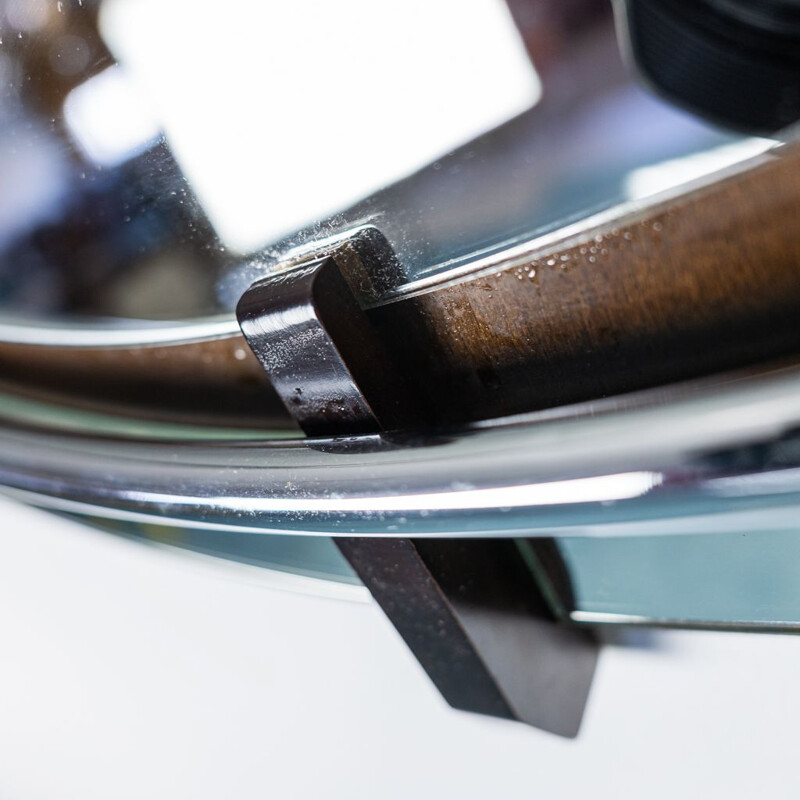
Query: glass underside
[741,580]
[308,556]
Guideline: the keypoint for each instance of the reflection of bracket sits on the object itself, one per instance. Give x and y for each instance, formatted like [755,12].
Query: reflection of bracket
[470,610]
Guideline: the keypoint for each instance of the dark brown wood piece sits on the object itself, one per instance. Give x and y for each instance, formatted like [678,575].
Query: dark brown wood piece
[705,282]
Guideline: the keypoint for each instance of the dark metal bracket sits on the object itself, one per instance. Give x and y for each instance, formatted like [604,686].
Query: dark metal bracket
[470,610]
[308,328]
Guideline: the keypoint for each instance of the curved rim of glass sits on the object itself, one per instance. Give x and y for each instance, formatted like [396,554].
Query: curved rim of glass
[700,457]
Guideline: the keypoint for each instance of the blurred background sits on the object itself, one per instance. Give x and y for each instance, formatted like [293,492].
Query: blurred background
[159,155]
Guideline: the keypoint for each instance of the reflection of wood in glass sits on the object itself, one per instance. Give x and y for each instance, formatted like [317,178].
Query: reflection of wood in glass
[699,283]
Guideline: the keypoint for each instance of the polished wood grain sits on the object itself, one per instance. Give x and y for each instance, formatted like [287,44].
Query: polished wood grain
[703,282]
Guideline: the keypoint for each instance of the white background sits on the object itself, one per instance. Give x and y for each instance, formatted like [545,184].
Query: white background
[131,671]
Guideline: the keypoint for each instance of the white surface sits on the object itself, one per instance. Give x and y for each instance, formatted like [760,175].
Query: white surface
[129,672]
[281,113]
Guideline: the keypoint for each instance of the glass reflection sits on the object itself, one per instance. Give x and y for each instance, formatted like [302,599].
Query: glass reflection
[154,170]
[95,216]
